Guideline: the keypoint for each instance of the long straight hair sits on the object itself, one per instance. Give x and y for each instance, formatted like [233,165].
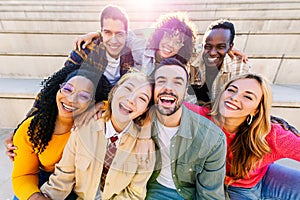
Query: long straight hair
[249,145]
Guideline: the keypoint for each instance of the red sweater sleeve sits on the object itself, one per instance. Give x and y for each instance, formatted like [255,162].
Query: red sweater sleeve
[283,143]
[201,110]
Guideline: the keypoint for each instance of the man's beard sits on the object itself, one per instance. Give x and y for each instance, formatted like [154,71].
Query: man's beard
[168,111]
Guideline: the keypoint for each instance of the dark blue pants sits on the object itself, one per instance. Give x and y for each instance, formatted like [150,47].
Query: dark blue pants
[44,177]
[279,182]
[156,191]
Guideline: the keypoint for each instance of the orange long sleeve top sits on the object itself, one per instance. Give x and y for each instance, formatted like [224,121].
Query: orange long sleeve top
[27,163]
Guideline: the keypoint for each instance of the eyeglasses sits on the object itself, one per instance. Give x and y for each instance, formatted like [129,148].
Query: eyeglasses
[174,37]
[82,96]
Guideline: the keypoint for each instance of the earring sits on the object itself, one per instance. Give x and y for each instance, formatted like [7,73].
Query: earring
[249,119]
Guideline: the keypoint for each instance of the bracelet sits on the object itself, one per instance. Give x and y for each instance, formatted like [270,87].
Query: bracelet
[105,104]
[144,139]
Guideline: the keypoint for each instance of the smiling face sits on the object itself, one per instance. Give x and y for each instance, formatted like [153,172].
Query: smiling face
[114,36]
[240,99]
[170,44]
[215,47]
[75,97]
[170,88]
[130,100]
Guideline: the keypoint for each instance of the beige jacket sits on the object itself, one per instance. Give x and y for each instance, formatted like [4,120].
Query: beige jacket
[81,166]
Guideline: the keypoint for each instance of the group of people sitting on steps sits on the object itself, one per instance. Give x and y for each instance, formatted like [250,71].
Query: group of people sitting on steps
[129,117]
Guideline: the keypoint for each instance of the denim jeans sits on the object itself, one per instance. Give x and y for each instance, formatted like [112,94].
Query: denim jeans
[280,182]
[156,191]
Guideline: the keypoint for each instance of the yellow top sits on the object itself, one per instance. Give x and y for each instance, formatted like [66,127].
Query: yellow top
[27,163]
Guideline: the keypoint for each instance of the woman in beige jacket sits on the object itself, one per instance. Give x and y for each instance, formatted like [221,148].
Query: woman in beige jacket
[81,166]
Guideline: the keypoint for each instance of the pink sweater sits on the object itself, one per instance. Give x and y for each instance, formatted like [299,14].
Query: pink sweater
[283,144]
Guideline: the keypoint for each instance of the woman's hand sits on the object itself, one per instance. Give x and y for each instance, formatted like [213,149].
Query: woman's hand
[82,41]
[94,111]
[10,146]
[145,149]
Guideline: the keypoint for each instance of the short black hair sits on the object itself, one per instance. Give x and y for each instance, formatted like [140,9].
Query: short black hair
[223,24]
[172,61]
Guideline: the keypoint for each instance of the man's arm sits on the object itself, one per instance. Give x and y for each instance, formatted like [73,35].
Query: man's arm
[236,52]
[285,125]
[10,147]
[210,182]
[137,45]
[83,40]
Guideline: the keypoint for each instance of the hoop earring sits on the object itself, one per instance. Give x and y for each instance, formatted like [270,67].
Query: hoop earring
[249,119]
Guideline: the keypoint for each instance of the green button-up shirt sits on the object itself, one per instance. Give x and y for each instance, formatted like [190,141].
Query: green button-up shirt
[198,153]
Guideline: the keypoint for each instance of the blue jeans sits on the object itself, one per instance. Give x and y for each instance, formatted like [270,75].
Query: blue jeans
[279,183]
[44,177]
[156,191]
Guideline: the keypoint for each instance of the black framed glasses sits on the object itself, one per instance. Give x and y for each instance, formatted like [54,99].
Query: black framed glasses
[174,37]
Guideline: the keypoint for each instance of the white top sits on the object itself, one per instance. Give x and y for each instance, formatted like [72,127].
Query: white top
[110,131]
[112,71]
[165,135]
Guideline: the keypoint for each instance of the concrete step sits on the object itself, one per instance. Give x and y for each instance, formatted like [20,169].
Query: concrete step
[39,44]
[166,4]
[277,71]
[16,98]
[6,191]
[152,15]
[286,103]
[243,26]
[37,66]
[198,11]
[36,37]
[61,44]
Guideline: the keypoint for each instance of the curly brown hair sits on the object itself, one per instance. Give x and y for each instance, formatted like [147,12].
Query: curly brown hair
[180,22]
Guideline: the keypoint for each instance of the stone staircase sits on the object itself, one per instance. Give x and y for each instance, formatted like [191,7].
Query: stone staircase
[36,37]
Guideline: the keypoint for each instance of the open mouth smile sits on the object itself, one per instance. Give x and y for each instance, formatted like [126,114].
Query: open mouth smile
[68,108]
[125,109]
[212,59]
[231,106]
[167,100]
